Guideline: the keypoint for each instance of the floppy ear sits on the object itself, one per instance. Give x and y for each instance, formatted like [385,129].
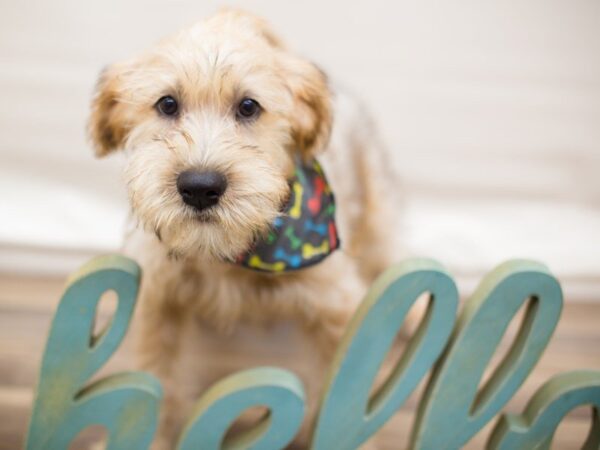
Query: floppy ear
[107,125]
[312,115]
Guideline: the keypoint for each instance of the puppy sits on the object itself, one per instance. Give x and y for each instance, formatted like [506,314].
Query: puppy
[222,126]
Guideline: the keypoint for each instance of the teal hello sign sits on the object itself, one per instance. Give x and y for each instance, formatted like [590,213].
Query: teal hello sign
[455,352]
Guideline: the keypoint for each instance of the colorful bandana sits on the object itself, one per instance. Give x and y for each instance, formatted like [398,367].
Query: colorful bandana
[305,233]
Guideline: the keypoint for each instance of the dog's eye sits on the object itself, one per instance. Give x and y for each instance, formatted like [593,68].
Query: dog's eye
[167,105]
[248,108]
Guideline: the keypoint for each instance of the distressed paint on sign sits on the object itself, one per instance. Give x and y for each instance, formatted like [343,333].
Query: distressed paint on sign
[278,390]
[349,416]
[126,404]
[450,413]
[534,429]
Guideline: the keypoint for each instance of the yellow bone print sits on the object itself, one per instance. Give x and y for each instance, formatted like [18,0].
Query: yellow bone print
[258,263]
[297,208]
[310,251]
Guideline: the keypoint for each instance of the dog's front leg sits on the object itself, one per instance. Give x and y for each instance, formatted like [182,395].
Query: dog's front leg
[159,334]
[328,313]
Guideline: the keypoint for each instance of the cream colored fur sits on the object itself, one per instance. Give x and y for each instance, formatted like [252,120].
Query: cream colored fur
[190,293]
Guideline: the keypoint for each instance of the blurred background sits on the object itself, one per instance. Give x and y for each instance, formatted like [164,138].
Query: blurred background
[491,111]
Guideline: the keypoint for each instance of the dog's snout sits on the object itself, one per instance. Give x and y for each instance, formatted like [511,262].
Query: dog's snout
[201,189]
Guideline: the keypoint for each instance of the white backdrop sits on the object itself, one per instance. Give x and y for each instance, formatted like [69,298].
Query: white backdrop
[491,110]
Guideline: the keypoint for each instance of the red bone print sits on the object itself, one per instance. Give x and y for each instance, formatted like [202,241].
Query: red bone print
[332,235]
[314,203]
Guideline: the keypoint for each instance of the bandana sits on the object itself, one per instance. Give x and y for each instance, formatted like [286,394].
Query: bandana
[305,233]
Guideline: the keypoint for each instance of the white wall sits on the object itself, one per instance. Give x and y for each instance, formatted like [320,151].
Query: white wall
[491,110]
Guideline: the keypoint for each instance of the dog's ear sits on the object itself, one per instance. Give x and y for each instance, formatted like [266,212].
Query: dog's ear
[107,125]
[312,115]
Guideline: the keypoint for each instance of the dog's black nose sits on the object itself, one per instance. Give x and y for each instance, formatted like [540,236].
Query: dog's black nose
[201,189]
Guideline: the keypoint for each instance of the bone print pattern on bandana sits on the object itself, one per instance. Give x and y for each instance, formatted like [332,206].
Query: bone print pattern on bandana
[305,233]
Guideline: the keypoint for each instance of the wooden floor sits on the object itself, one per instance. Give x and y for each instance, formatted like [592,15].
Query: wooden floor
[27,306]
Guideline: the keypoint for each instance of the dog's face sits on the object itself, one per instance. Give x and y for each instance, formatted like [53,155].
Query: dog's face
[211,121]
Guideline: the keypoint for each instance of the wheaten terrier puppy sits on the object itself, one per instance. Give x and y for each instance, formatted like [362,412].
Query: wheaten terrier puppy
[233,219]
